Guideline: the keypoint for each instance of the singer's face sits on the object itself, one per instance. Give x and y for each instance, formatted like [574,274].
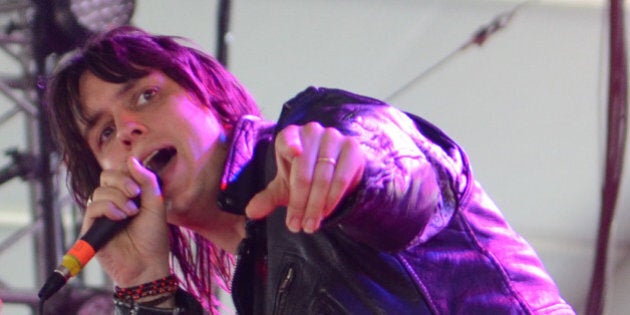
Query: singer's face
[156,120]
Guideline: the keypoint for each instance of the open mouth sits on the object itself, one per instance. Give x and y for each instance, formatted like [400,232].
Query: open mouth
[157,160]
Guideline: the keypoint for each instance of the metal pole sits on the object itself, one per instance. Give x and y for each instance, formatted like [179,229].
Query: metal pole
[615,147]
[223,31]
[50,244]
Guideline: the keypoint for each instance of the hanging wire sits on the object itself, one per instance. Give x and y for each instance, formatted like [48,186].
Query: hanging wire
[479,38]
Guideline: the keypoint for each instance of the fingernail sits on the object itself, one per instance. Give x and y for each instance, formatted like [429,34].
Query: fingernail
[309,225]
[132,189]
[294,225]
[131,207]
[120,214]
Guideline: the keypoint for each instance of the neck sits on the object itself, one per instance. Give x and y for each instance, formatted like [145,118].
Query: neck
[227,232]
[224,229]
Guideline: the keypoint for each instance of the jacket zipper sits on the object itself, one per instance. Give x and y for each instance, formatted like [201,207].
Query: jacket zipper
[283,289]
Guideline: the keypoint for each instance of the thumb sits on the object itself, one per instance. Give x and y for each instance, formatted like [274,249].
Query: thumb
[264,202]
[151,193]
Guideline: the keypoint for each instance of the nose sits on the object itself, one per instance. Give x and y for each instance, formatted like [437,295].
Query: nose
[130,131]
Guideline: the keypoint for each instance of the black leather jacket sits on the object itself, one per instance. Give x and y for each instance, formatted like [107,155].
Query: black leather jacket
[418,236]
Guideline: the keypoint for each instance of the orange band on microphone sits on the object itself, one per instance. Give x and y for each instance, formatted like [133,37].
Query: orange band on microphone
[83,252]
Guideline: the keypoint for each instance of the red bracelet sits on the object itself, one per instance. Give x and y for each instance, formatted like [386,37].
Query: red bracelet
[168,284]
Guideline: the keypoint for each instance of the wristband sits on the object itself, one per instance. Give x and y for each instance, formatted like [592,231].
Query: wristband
[168,284]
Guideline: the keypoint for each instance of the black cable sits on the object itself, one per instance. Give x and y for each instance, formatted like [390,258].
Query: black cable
[478,38]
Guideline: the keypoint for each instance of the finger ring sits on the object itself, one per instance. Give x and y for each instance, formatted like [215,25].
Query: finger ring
[327,160]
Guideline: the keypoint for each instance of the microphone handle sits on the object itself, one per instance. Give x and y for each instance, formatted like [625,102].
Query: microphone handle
[82,251]
[102,231]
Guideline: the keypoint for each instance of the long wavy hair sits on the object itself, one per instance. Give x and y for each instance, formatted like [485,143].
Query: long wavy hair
[124,54]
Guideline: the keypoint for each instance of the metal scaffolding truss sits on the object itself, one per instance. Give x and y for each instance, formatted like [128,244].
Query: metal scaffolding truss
[16,41]
[37,165]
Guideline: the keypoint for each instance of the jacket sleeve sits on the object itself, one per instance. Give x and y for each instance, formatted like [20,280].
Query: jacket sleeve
[403,187]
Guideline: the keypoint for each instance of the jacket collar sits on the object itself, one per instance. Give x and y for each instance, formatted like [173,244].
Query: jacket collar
[245,172]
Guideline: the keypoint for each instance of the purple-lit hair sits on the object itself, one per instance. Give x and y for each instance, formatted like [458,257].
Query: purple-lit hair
[127,53]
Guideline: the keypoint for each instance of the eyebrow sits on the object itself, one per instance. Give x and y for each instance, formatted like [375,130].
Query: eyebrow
[91,119]
[126,87]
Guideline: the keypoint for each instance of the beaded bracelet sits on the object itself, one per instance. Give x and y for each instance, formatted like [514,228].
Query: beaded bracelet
[168,284]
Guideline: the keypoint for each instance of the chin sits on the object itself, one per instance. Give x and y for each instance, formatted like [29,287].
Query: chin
[178,211]
[168,205]
[173,209]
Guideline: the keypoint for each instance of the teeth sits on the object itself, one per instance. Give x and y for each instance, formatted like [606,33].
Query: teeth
[146,161]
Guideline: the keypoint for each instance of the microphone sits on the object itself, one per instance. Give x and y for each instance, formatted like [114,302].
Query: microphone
[83,250]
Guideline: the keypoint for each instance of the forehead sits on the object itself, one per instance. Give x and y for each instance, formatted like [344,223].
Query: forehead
[94,89]
[95,92]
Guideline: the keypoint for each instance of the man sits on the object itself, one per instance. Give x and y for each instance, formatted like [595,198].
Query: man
[345,205]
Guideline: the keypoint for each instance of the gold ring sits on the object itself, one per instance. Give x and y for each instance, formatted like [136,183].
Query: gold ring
[327,160]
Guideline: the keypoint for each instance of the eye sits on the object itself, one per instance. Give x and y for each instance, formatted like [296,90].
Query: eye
[146,96]
[105,134]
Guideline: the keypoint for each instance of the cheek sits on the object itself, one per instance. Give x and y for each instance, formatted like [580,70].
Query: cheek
[106,164]
[112,162]
[206,136]
[204,126]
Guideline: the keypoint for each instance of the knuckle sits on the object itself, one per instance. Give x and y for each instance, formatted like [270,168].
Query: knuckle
[320,183]
[302,180]
[351,143]
[332,132]
[295,208]
[342,181]
[287,132]
[313,125]
[315,207]
[313,128]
